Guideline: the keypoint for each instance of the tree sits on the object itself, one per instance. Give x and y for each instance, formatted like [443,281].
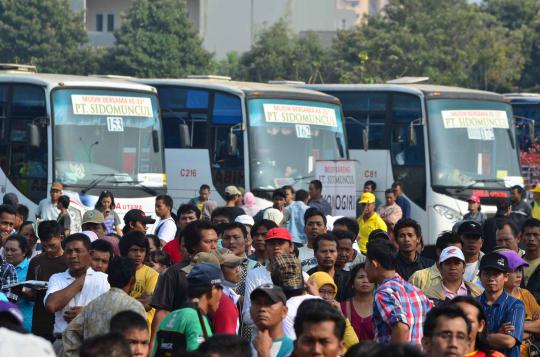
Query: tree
[157,39]
[452,42]
[45,33]
[278,53]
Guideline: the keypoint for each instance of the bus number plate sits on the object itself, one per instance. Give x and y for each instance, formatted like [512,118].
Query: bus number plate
[115,124]
[303,131]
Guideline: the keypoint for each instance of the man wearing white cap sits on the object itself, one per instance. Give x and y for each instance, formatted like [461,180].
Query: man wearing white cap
[452,268]
[248,222]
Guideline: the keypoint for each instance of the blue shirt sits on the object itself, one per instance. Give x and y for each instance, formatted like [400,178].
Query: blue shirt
[405,206]
[505,309]
[322,205]
[26,306]
[295,225]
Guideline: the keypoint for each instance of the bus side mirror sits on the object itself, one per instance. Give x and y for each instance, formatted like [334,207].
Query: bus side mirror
[233,143]
[34,135]
[155,140]
[365,138]
[412,135]
[185,139]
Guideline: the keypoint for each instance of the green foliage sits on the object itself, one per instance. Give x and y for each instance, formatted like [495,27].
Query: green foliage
[45,33]
[157,39]
[279,54]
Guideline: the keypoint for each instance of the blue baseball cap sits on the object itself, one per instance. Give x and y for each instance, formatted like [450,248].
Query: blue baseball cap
[205,275]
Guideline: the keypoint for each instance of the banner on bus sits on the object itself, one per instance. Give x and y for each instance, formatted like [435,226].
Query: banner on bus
[454,119]
[299,114]
[111,105]
[338,178]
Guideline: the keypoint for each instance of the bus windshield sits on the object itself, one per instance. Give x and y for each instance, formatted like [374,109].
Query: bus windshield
[105,137]
[471,143]
[288,136]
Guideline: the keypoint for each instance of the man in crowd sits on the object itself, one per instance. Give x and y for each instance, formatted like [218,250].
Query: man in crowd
[401,201]
[268,309]
[452,267]
[316,200]
[7,222]
[505,313]
[134,328]
[446,332]
[521,210]
[96,316]
[319,329]
[94,221]
[185,329]
[390,213]
[22,216]
[470,233]
[227,317]
[399,307]
[233,196]
[371,187]
[204,195]
[314,225]
[166,227]
[186,214]
[234,238]
[409,240]
[369,220]
[136,220]
[289,194]
[8,273]
[508,237]
[326,252]
[431,276]
[530,236]
[68,292]
[346,229]
[171,290]
[101,254]
[41,268]
[279,198]
[47,209]
[294,217]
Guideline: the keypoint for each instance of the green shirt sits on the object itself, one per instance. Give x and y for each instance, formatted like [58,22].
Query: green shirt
[180,330]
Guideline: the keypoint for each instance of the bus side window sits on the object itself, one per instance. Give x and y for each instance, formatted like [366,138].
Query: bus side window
[227,141]
[184,106]
[27,164]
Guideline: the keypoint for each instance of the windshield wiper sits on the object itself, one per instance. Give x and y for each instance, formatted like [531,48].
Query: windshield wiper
[95,182]
[138,185]
[499,181]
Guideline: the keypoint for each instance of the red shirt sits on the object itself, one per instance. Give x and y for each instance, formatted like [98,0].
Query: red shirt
[173,249]
[225,320]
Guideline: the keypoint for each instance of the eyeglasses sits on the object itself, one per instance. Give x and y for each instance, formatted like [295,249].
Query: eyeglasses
[448,336]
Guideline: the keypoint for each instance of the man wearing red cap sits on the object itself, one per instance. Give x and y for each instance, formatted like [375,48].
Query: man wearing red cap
[474,210]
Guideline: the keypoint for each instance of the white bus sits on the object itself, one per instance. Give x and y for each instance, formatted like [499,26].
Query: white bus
[90,134]
[442,143]
[256,136]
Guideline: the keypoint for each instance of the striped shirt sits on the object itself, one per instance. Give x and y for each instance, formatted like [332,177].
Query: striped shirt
[397,300]
[505,309]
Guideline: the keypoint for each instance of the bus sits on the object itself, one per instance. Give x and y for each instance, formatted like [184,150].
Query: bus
[89,134]
[526,107]
[251,135]
[443,143]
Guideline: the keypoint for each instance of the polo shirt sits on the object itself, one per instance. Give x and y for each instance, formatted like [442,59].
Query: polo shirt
[95,284]
[406,268]
[505,309]
[366,227]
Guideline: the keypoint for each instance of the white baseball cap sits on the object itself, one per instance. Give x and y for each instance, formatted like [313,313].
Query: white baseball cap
[245,219]
[451,252]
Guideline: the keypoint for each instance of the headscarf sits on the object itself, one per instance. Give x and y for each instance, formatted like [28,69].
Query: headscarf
[322,278]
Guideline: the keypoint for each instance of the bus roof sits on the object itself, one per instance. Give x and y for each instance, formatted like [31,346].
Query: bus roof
[51,81]
[249,89]
[428,90]
[523,98]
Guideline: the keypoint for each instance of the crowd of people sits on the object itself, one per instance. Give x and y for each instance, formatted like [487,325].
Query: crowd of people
[287,280]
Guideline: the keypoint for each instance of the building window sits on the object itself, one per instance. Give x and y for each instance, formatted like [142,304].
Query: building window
[110,23]
[99,22]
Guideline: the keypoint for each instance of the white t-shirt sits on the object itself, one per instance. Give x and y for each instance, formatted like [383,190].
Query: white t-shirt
[292,305]
[166,229]
[47,210]
[95,284]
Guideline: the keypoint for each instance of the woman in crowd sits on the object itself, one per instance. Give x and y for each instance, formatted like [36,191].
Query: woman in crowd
[359,308]
[17,249]
[159,261]
[105,204]
[478,344]
[475,209]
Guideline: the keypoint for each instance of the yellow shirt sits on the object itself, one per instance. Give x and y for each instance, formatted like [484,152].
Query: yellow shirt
[366,227]
[536,210]
[145,282]
[527,272]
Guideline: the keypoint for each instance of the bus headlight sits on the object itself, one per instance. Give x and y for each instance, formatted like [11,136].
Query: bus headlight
[450,214]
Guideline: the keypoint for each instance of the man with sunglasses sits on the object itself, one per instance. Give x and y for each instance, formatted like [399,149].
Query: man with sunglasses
[47,209]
